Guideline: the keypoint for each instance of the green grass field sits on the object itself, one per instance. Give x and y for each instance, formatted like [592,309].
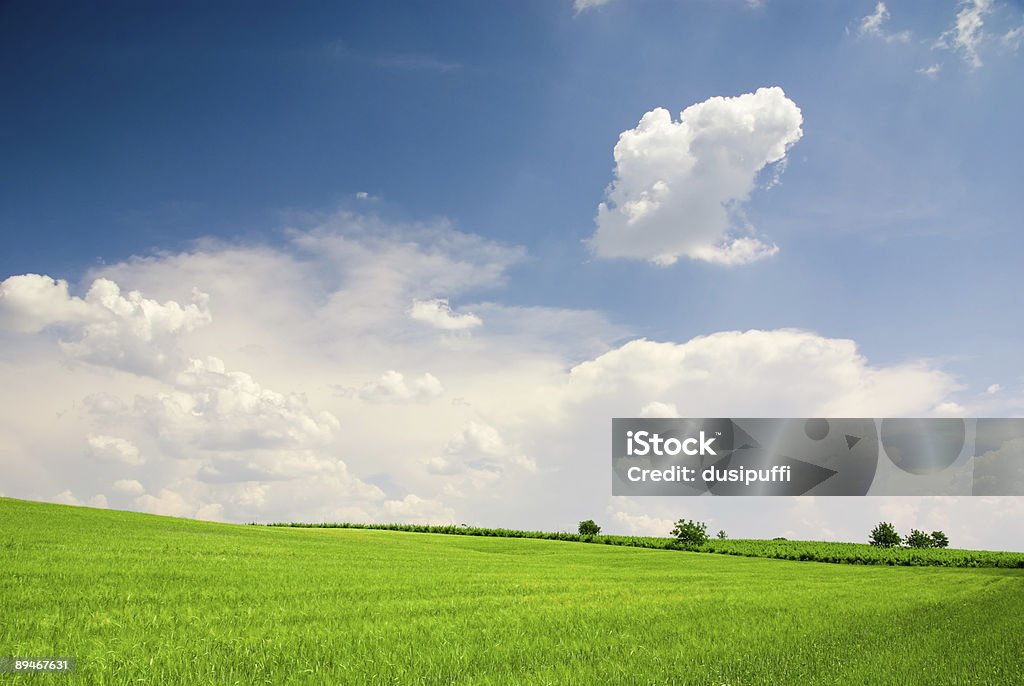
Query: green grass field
[140,599]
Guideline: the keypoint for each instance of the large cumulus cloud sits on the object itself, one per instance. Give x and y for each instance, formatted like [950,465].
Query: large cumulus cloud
[778,373]
[315,395]
[105,327]
[679,185]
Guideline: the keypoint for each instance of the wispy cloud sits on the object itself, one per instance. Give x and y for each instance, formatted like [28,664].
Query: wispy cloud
[416,62]
[583,5]
[1013,37]
[967,34]
[874,25]
[405,61]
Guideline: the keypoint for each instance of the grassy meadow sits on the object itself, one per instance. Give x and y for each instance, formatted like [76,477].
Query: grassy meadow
[140,599]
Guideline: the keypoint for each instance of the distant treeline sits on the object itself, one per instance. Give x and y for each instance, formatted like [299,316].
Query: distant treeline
[812,551]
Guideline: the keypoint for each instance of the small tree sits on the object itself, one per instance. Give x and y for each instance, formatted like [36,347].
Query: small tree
[918,539]
[690,533]
[589,527]
[884,536]
[722,535]
[939,540]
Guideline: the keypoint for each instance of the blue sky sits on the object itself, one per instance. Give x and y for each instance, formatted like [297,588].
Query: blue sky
[139,139]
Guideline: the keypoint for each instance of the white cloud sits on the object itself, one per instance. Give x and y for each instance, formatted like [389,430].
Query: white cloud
[679,186]
[364,273]
[251,494]
[932,71]
[114,449]
[581,5]
[415,509]
[993,389]
[406,258]
[481,454]
[438,313]
[967,34]
[110,329]
[642,524]
[659,410]
[129,486]
[873,25]
[31,302]
[518,438]
[569,333]
[172,504]
[1013,37]
[215,409]
[753,373]
[213,512]
[337,307]
[392,387]
[950,409]
[416,62]
[66,497]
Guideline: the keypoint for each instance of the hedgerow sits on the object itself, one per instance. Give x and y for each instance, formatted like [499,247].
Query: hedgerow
[811,551]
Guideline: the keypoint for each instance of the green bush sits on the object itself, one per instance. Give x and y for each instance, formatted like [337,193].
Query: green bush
[690,533]
[884,536]
[939,540]
[918,539]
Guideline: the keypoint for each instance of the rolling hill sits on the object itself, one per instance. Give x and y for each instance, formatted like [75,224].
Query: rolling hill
[146,599]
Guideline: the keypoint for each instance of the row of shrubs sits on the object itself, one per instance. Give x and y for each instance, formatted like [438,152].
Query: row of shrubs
[464,530]
[816,551]
[885,536]
[859,553]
